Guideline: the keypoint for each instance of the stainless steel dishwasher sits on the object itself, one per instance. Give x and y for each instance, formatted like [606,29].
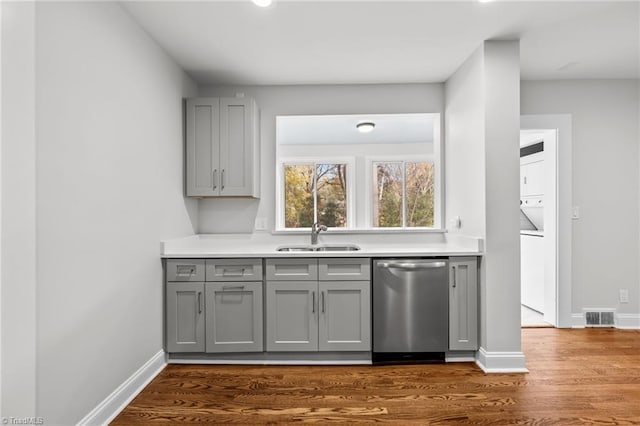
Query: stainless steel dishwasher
[410,310]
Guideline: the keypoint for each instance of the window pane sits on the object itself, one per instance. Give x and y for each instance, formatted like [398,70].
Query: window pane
[298,195]
[419,192]
[387,202]
[332,194]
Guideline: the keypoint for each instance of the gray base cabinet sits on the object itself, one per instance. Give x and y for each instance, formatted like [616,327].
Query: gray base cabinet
[214,305]
[185,317]
[318,305]
[292,319]
[234,317]
[345,316]
[463,303]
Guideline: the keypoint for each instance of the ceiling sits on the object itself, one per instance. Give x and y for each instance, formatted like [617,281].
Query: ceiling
[341,129]
[357,42]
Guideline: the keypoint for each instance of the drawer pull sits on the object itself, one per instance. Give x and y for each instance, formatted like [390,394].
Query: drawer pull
[232,287]
[236,272]
[185,270]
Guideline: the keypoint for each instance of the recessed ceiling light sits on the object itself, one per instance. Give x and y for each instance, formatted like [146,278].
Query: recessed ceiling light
[262,3]
[365,126]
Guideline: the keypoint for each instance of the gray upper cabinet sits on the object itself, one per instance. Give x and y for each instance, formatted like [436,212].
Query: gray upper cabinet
[345,316]
[463,303]
[234,317]
[222,147]
[185,317]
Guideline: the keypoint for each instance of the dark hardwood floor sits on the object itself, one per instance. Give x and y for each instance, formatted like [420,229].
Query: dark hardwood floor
[576,377]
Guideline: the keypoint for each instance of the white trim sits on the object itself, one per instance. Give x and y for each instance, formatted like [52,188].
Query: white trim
[270,362]
[501,362]
[113,404]
[578,321]
[628,321]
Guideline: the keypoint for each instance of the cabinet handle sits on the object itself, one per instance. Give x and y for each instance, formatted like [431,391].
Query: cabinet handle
[313,302]
[454,277]
[525,180]
[215,180]
[185,270]
[232,287]
[222,180]
[236,272]
[323,305]
[199,302]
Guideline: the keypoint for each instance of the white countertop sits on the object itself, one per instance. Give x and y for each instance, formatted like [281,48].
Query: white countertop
[266,245]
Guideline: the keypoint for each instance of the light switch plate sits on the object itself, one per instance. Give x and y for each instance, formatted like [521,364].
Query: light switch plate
[624,295]
[261,224]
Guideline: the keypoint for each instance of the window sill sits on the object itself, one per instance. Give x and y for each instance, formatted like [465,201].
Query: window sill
[362,231]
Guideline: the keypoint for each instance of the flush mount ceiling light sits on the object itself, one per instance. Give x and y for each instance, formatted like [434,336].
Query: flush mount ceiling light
[262,3]
[365,126]
[485,1]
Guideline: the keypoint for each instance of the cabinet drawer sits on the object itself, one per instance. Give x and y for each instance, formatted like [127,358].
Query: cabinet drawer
[344,269]
[185,270]
[234,270]
[292,269]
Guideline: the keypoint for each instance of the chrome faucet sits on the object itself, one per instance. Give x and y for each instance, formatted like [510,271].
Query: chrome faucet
[315,230]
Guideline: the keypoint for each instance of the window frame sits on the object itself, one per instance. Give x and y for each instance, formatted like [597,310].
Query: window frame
[350,162]
[370,162]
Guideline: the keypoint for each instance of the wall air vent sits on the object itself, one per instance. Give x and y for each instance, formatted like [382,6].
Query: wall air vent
[599,318]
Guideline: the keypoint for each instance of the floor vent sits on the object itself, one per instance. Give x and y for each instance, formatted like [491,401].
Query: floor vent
[599,319]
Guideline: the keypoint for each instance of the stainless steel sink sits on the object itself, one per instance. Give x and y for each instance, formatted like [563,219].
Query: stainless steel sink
[344,247]
[295,248]
[341,247]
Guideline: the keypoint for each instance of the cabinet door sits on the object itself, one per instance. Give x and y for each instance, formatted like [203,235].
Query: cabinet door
[236,147]
[203,147]
[345,316]
[234,316]
[292,316]
[532,178]
[185,317]
[463,303]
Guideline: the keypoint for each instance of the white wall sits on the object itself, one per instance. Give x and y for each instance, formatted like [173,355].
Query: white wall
[237,215]
[18,219]
[109,188]
[605,158]
[482,169]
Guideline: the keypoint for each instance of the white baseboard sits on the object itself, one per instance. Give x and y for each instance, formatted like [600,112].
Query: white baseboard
[628,321]
[622,321]
[578,321]
[112,405]
[501,362]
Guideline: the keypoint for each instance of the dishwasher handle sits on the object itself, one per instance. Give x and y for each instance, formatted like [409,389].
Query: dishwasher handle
[412,265]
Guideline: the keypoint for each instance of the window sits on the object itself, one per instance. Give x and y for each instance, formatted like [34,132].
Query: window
[315,192]
[403,194]
[386,180]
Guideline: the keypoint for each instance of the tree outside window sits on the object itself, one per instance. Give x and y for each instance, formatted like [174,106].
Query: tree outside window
[315,193]
[403,194]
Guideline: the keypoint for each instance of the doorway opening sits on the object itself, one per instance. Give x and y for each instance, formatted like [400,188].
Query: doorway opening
[538,236]
[545,227]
